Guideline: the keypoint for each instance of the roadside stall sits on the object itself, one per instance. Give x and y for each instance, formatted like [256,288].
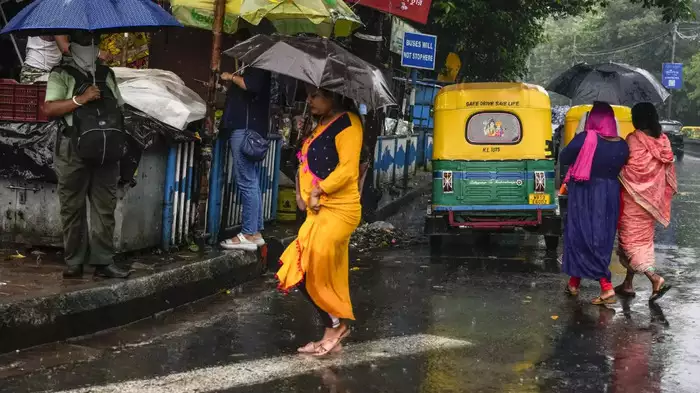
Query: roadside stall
[161,116]
[155,118]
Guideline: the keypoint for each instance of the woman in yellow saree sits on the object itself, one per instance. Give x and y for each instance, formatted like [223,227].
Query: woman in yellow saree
[317,261]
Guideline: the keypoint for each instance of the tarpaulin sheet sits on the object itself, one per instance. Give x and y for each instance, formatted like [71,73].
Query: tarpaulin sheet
[26,149]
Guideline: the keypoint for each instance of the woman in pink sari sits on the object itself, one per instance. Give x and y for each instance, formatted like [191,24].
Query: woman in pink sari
[649,183]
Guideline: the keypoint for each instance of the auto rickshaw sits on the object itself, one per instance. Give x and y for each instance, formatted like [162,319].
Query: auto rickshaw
[493,164]
[691,132]
[575,122]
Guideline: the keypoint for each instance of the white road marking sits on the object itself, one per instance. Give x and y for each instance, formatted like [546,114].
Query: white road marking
[259,371]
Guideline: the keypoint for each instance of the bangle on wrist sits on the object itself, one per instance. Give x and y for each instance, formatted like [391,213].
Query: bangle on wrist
[76,101]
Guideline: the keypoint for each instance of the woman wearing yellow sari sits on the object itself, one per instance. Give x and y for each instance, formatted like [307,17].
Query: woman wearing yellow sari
[317,261]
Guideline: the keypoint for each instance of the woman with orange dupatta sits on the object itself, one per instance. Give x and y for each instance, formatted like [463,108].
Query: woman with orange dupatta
[649,183]
[317,262]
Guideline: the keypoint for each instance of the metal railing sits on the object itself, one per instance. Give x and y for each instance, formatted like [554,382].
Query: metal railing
[181,183]
[225,209]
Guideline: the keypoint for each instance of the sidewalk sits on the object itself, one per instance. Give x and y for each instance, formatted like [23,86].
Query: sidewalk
[37,306]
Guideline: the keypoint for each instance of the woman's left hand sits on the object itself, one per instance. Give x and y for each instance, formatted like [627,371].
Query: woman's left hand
[315,199]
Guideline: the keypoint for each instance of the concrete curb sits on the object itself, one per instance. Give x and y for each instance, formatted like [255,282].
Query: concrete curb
[34,321]
[393,207]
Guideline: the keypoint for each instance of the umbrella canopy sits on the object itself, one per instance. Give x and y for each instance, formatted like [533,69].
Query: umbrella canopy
[614,83]
[63,16]
[320,17]
[319,62]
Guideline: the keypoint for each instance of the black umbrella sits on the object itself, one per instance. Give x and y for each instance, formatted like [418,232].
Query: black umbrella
[319,62]
[614,83]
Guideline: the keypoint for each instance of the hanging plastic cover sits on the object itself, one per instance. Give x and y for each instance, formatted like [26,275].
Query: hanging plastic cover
[161,95]
[26,149]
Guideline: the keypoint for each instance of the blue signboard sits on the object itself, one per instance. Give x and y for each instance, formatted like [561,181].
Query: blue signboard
[419,51]
[672,75]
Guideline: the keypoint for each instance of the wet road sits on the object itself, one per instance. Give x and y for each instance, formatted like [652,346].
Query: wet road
[480,318]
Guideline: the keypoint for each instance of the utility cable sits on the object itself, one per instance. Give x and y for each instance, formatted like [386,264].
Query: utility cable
[623,48]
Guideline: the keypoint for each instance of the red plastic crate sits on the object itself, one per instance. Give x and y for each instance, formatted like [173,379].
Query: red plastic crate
[22,103]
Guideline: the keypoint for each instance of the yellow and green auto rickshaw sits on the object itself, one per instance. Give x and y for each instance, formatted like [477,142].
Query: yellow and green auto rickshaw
[575,123]
[493,164]
[691,132]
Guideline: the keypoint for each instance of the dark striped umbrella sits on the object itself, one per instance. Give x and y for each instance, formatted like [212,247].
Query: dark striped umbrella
[614,83]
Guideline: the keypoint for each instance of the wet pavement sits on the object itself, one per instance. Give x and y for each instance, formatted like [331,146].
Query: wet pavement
[479,318]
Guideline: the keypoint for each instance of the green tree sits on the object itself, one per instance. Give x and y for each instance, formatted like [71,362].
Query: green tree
[692,87]
[494,38]
[622,32]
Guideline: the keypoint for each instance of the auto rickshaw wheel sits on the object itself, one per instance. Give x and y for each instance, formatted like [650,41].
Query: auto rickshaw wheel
[552,242]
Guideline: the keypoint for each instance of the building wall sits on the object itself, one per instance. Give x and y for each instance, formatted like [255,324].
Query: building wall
[187,52]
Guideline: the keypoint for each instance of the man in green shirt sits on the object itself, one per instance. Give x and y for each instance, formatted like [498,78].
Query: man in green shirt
[79,180]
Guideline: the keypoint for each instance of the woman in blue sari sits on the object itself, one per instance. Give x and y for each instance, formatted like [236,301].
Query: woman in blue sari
[596,156]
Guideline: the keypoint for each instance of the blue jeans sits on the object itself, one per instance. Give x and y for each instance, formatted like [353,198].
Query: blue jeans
[247,177]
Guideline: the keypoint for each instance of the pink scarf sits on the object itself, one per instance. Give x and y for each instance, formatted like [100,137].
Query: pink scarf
[601,121]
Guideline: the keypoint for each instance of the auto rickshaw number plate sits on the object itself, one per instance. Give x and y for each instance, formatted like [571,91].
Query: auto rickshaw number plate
[540,199]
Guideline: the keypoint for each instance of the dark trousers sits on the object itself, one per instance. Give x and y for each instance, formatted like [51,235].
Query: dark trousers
[78,182]
[325,318]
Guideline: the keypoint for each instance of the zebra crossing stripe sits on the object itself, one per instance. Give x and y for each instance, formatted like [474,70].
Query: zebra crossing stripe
[259,371]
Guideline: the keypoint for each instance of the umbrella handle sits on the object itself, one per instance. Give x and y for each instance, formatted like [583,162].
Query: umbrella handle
[94,62]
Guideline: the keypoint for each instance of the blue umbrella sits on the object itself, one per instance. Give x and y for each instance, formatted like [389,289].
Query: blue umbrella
[63,16]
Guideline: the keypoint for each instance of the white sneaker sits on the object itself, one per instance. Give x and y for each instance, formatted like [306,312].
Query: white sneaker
[241,244]
[259,241]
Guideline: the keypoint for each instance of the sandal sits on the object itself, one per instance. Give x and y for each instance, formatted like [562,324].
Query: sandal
[241,244]
[622,292]
[311,347]
[323,350]
[571,291]
[656,295]
[599,301]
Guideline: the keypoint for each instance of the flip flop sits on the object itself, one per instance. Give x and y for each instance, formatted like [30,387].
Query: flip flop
[599,301]
[656,295]
[571,291]
[620,291]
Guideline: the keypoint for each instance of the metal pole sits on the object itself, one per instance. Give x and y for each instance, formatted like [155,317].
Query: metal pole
[573,63]
[12,37]
[209,126]
[674,32]
[125,50]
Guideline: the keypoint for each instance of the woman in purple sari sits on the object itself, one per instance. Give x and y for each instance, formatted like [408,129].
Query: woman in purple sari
[596,157]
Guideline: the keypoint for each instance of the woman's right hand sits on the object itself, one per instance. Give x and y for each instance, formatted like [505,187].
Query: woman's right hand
[300,203]
[315,203]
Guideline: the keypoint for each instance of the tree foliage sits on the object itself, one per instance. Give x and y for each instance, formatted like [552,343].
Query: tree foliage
[494,38]
[622,32]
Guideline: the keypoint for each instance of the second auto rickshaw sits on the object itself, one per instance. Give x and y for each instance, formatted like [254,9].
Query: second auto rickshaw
[575,123]
[493,164]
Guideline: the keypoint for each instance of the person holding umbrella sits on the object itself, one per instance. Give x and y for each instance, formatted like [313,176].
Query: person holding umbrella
[649,183]
[329,169]
[329,172]
[69,90]
[247,109]
[596,157]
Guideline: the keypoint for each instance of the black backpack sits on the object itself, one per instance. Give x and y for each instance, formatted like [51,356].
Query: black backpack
[97,134]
